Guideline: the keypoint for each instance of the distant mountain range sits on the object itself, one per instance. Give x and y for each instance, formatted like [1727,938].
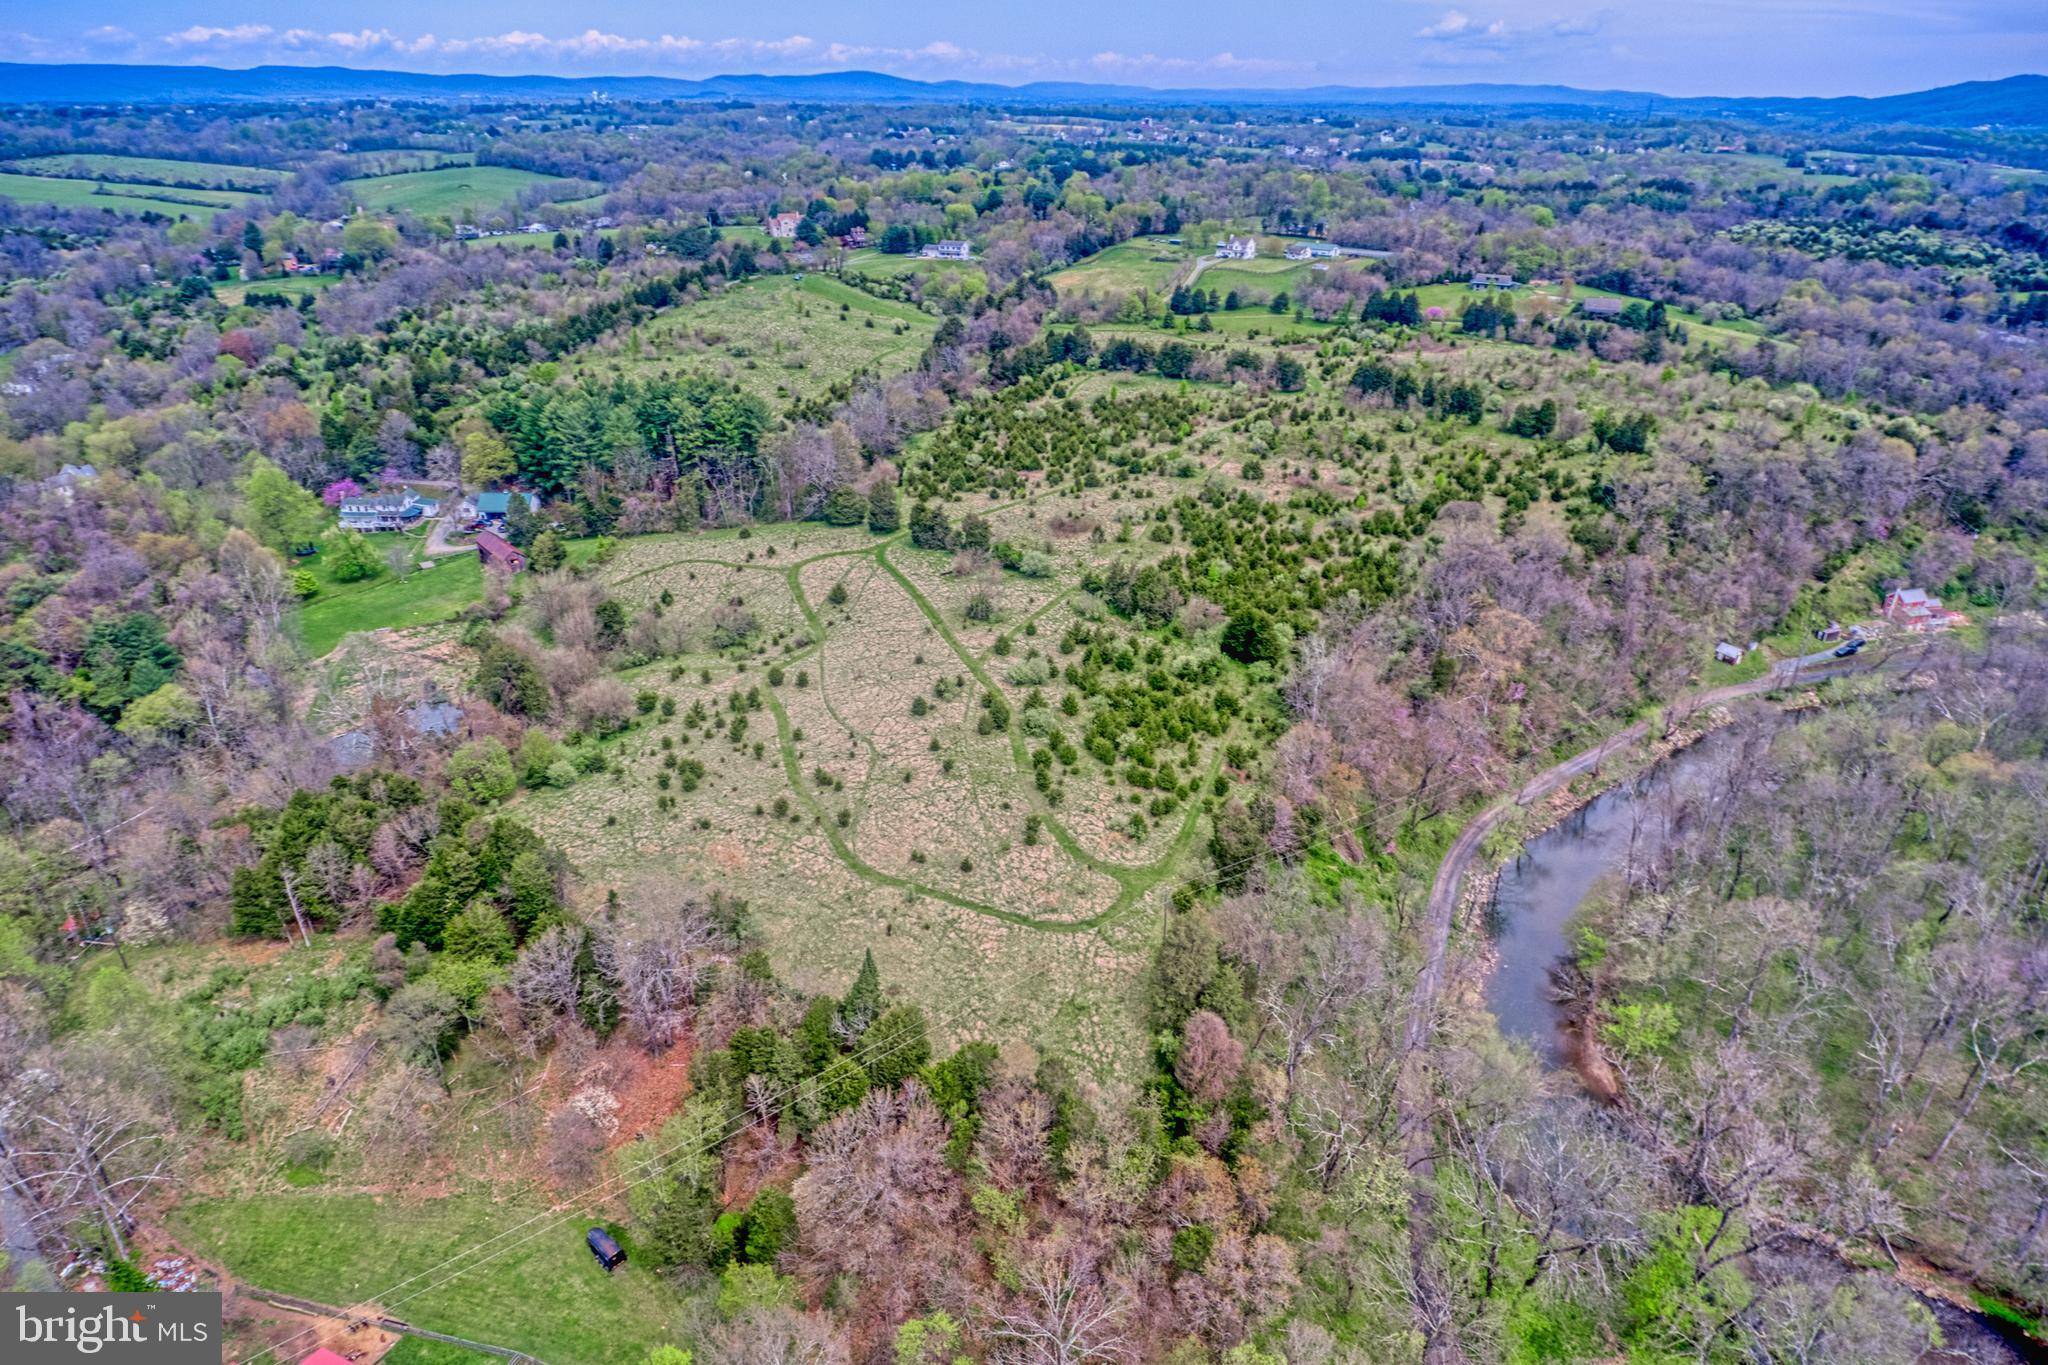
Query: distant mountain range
[2016,101]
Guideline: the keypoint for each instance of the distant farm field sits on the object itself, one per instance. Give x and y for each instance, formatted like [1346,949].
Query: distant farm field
[1262,278]
[883,265]
[152,170]
[778,337]
[451,190]
[398,160]
[134,199]
[1141,263]
[289,286]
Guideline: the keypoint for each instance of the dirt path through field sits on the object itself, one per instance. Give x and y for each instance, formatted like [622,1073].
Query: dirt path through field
[1133,881]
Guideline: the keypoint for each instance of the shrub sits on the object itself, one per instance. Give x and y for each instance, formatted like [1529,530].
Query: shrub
[602,706]
[481,771]
[1032,671]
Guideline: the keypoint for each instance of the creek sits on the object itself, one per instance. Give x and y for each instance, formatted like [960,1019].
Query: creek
[1617,834]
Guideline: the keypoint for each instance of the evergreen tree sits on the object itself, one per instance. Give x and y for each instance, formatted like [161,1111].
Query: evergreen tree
[530,892]
[521,525]
[929,529]
[256,904]
[864,1002]
[547,553]
[883,516]
[844,507]
[896,1045]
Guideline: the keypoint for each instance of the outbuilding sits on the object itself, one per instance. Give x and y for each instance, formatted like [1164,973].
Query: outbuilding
[1727,653]
[496,552]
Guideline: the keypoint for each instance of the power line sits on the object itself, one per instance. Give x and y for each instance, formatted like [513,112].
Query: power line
[738,1125]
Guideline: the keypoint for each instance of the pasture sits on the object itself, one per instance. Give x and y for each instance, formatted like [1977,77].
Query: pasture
[884,265]
[293,287]
[781,338]
[1141,263]
[59,192]
[462,192]
[152,170]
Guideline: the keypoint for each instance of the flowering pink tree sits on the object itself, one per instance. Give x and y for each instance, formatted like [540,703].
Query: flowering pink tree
[340,491]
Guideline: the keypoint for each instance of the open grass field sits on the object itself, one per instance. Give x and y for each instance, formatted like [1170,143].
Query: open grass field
[460,191]
[421,597]
[346,1249]
[1140,263]
[778,337]
[885,265]
[1257,279]
[133,199]
[862,805]
[398,160]
[293,287]
[422,1351]
[153,169]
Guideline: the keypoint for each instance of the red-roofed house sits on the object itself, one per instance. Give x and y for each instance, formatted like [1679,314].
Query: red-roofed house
[1912,609]
[784,225]
[499,553]
[323,1356]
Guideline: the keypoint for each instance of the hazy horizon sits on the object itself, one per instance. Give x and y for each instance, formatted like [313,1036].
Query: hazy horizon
[1817,47]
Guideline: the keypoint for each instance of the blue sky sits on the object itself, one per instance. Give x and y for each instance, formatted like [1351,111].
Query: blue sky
[1680,47]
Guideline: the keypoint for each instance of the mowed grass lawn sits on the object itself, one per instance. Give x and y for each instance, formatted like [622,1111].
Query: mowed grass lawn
[135,199]
[289,286]
[883,265]
[1256,278]
[420,598]
[422,1351]
[542,1291]
[156,169]
[776,336]
[1141,263]
[451,189]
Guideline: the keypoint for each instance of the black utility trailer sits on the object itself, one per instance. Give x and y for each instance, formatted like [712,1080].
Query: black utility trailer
[605,1248]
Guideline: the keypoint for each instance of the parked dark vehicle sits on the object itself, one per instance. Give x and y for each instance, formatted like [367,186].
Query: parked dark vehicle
[1844,651]
[605,1248]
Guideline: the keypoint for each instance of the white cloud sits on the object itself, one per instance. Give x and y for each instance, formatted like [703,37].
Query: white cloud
[201,35]
[1453,23]
[1135,66]
[596,50]
[1461,29]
